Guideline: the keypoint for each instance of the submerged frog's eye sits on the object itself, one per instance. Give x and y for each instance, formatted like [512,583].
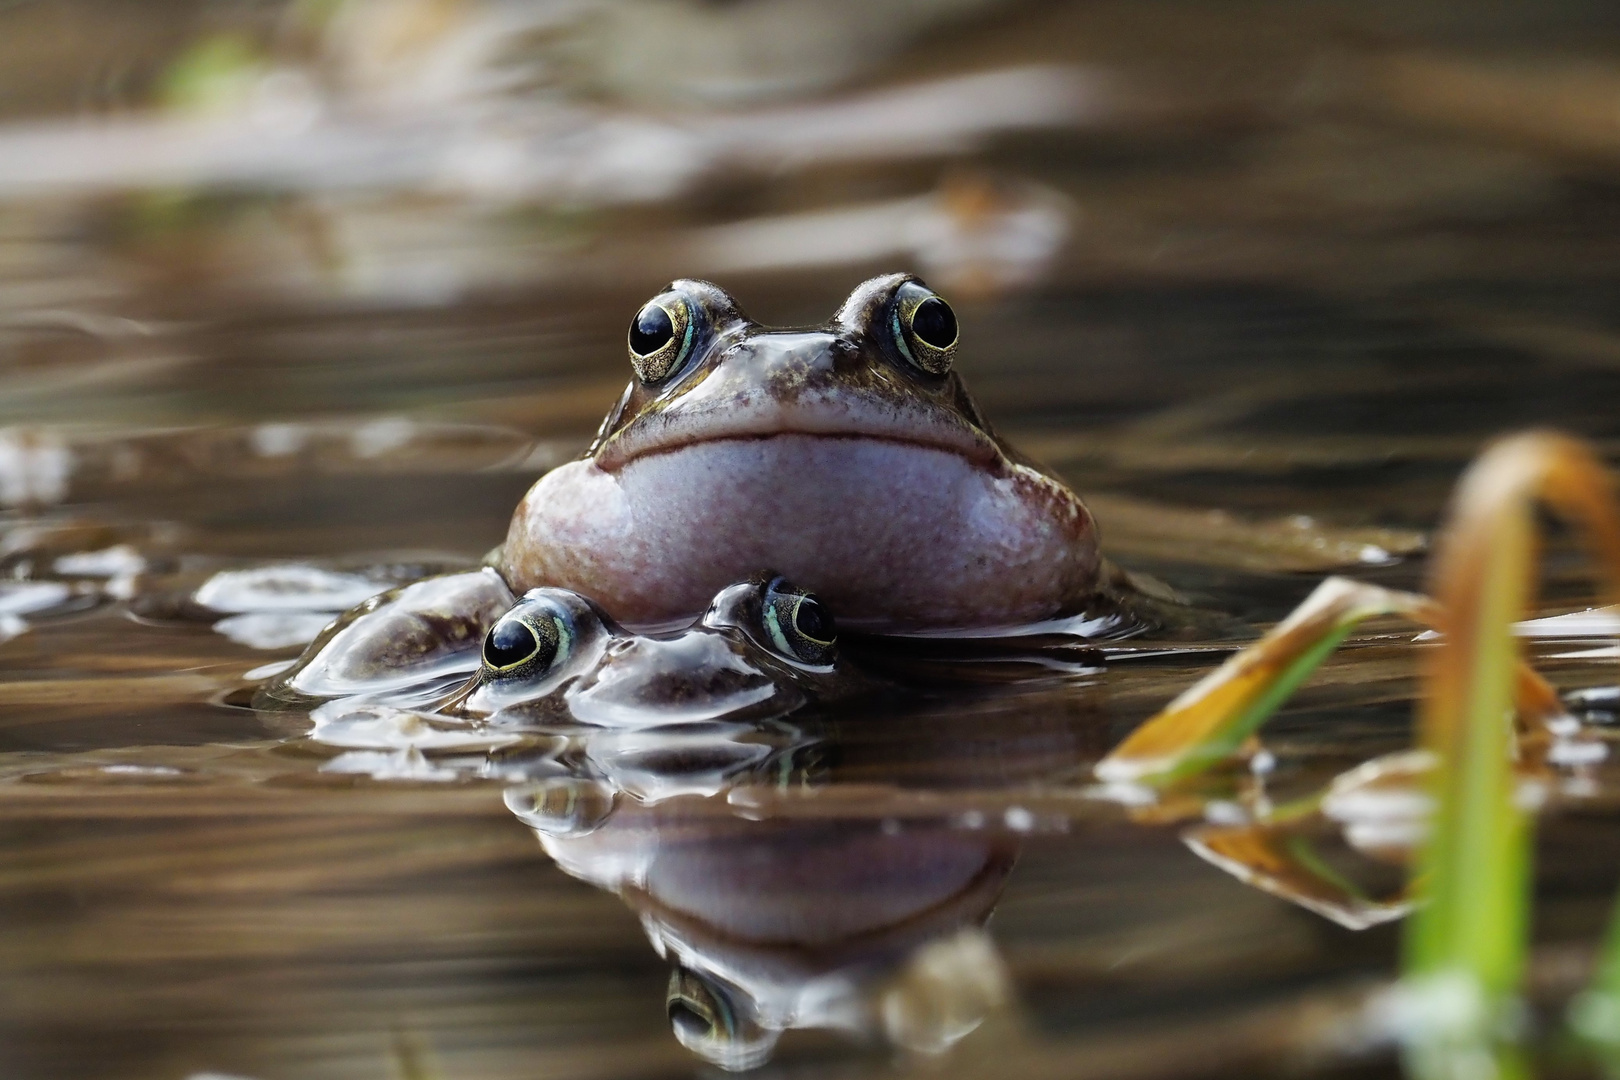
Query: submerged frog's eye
[660,337]
[799,626]
[924,328]
[705,1021]
[531,639]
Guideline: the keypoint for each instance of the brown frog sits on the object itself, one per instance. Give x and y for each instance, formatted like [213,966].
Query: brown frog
[849,457]
[462,647]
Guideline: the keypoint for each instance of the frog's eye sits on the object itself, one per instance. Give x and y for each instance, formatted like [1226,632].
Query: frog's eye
[660,337]
[531,639]
[924,328]
[706,1022]
[799,626]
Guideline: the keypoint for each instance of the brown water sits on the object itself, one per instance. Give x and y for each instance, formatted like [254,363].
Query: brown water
[1299,270]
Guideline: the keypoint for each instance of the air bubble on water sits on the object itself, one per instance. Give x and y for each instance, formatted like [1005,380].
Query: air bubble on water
[1573,752]
[407,764]
[279,440]
[284,587]
[268,671]
[1562,726]
[375,726]
[35,466]
[382,436]
[141,770]
[28,597]
[1580,787]
[969,819]
[1373,555]
[563,806]
[1123,793]
[115,561]
[273,629]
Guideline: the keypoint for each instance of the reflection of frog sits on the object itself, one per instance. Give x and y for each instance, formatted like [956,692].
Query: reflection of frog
[863,917]
[850,457]
[780,924]
[762,650]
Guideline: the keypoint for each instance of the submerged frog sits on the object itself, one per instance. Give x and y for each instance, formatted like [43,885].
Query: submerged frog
[763,649]
[850,457]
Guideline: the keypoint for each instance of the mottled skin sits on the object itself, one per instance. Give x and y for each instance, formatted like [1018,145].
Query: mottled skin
[849,457]
[404,638]
[823,453]
[427,646]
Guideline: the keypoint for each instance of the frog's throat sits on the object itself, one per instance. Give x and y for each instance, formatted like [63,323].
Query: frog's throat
[888,535]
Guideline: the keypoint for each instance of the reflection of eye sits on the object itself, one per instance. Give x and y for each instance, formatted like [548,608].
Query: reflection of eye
[924,328]
[798,625]
[706,1023]
[529,640]
[694,1013]
[660,337]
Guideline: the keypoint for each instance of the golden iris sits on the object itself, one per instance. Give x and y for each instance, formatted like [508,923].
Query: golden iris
[660,338]
[925,329]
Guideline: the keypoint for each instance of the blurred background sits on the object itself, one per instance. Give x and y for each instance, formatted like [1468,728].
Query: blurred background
[323,278]
[1188,239]
[234,211]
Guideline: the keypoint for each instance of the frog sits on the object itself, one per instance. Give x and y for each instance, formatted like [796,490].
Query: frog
[629,591]
[849,456]
[460,649]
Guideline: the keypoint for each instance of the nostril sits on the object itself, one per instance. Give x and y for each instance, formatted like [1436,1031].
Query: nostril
[844,353]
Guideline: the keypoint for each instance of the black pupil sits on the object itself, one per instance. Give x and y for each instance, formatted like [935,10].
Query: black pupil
[934,323]
[812,620]
[651,330]
[688,1020]
[509,642]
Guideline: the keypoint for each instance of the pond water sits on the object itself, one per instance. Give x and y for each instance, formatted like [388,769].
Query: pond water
[1257,279]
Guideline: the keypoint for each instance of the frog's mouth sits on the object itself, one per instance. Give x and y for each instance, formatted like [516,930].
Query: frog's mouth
[690,424]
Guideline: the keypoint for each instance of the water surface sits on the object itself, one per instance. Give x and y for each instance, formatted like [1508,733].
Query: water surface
[1288,275]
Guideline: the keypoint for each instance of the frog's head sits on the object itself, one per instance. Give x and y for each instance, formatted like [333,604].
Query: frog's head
[763,649]
[849,455]
[881,370]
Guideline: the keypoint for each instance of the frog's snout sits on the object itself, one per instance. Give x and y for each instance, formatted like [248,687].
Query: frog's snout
[780,359]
